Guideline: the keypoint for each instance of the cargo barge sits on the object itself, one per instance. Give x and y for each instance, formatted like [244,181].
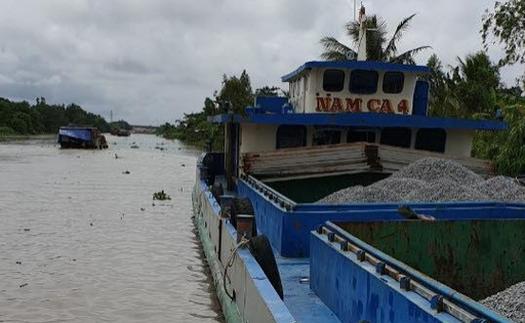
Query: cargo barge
[81,137]
[277,255]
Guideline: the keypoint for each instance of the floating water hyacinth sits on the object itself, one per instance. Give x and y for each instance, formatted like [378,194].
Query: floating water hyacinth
[161,196]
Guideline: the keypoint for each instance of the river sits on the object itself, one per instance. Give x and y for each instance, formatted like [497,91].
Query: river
[82,240]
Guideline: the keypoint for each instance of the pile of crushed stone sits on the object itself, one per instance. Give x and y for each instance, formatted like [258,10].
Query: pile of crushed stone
[362,194]
[509,303]
[430,169]
[432,180]
[502,188]
[439,180]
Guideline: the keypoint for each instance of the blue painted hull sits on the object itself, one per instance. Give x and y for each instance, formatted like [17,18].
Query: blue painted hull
[321,282]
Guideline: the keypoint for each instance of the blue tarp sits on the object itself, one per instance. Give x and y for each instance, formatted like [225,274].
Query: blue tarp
[77,133]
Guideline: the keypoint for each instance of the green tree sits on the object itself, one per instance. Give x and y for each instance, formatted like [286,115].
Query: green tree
[476,80]
[6,131]
[210,107]
[53,116]
[505,148]
[21,123]
[22,118]
[75,114]
[267,91]
[378,46]
[237,91]
[507,24]
[196,129]
[442,99]
[467,90]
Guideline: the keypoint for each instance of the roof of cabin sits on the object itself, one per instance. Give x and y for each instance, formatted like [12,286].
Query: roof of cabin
[363,65]
[362,120]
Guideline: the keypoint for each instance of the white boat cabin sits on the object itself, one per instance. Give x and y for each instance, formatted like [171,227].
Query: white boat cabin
[356,86]
[355,101]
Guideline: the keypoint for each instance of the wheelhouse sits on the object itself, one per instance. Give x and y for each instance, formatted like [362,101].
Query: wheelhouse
[358,86]
[382,105]
[354,101]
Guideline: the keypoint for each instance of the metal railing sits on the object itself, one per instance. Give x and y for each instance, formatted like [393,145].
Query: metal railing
[440,301]
[274,196]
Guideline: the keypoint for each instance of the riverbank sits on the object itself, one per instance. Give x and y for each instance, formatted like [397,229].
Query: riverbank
[8,138]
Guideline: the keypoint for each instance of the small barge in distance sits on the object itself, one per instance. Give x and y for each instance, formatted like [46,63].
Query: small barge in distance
[120,132]
[81,138]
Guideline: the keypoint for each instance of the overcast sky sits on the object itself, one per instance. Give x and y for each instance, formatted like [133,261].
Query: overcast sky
[150,61]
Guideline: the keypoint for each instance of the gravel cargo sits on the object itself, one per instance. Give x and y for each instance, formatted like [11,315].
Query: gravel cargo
[509,303]
[432,180]
[440,180]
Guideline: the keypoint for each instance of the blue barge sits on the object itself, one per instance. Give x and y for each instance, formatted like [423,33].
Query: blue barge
[81,137]
[278,256]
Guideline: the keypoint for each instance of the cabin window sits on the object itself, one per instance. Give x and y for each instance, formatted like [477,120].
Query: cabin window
[431,140]
[363,82]
[326,137]
[333,80]
[291,136]
[399,137]
[361,136]
[393,82]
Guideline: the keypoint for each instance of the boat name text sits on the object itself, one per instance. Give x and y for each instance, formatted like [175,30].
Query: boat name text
[349,105]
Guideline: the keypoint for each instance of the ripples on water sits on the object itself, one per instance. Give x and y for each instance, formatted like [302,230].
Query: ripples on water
[80,241]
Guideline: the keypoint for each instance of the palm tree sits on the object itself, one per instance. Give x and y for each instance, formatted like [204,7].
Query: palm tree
[477,80]
[378,48]
[442,100]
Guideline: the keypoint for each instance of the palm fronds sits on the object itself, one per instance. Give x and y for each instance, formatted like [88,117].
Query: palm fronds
[378,48]
[334,50]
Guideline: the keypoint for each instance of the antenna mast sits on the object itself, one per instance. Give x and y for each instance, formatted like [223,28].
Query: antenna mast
[361,50]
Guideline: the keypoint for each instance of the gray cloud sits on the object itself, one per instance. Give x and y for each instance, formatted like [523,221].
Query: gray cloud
[151,61]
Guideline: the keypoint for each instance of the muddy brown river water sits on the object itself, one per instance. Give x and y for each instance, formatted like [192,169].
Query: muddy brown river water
[82,241]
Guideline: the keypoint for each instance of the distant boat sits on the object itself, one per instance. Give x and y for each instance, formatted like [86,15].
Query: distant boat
[81,137]
[122,133]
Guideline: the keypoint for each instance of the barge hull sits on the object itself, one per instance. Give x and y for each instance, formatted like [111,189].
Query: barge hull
[254,298]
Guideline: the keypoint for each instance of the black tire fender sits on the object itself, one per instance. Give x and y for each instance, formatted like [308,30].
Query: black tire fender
[208,161]
[210,180]
[242,206]
[262,251]
[217,190]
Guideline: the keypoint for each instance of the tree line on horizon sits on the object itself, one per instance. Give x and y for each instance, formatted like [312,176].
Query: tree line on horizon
[22,118]
[194,128]
[470,89]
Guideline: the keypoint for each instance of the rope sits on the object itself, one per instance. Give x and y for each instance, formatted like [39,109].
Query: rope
[231,261]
